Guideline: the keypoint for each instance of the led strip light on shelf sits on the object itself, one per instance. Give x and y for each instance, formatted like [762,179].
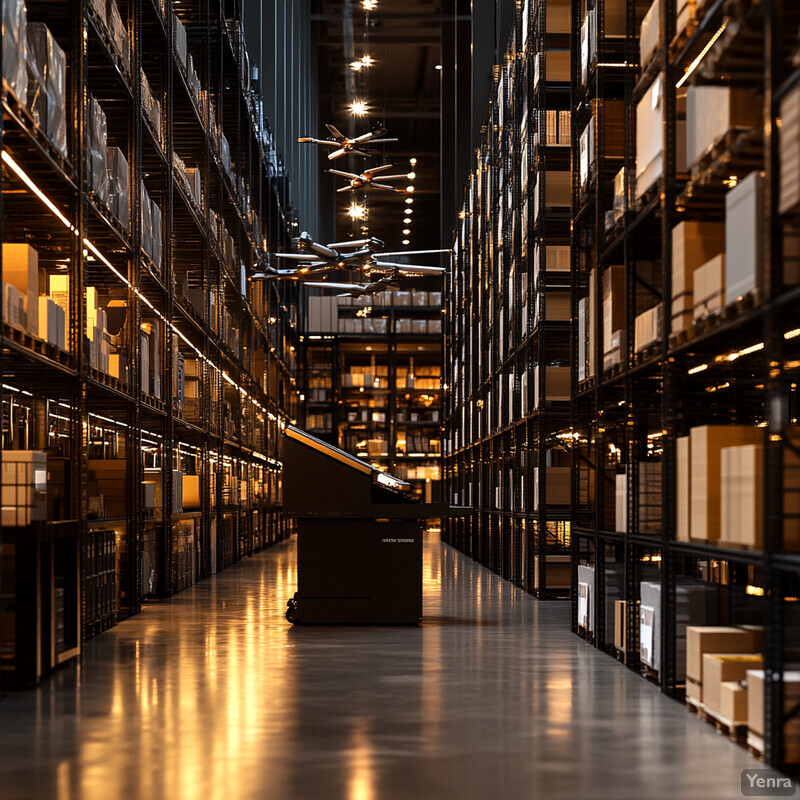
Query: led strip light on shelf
[28,181]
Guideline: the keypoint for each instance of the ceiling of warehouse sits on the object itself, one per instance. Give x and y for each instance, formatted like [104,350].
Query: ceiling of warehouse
[402,92]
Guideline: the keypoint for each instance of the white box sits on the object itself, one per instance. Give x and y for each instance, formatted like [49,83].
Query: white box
[650,34]
[709,286]
[744,237]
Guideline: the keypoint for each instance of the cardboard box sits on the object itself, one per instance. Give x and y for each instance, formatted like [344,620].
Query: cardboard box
[715,639]
[647,328]
[620,624]
[733,702]
[744,237]
[585,597]
[709,287]
[706,444]
[621,501]
[21,270]
[791,697]
[191,491]
[693,244]
[721,667]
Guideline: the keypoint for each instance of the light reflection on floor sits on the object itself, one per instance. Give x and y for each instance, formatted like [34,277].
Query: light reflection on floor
[213,695]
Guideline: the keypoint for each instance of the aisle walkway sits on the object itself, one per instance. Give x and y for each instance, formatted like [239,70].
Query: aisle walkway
[212,695]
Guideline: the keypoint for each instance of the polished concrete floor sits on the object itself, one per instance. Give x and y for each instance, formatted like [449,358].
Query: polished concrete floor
[213,695]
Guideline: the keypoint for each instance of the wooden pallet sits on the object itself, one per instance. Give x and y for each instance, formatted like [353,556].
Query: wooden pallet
[648,353]
[735,731]
[650,673]
[755,744]
[693,705]
[681,337]
[745,303]
[676,45]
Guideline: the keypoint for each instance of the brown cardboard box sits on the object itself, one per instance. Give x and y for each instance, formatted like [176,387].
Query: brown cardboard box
[191,491]
[591,370]
[706,443]
[693,244]
[733,702]
[715,639]
[742,496]
[613,303]
[755,709]
[721,667]
[709,287]
[620,623]
[21,270]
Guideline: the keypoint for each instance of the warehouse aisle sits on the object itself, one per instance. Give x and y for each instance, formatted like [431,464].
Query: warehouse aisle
[213,695]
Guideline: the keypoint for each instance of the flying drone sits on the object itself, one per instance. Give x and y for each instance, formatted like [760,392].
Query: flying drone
[320,259]
[345,146]
[366,179]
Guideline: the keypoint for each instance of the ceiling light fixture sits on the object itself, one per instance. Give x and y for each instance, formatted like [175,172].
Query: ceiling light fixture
[412,161]
[409,188]
[358,108]
[411,175]
[407,221]
[406,242]
[366,60]
[409,200]
[406,231]
[438,66]
[356,65]
[370,5]
[355,211]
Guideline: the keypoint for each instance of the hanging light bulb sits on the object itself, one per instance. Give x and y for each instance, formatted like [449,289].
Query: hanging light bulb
[370,5]
[355,211]
[358,108]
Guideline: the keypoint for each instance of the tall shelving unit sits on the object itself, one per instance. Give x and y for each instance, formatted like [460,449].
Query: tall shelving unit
[507,412]
[727,360]
[159,412]
[372,372]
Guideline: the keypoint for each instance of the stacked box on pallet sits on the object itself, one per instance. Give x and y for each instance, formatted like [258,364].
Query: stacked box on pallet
[650,34]
[709,287]
[696,604]
[650,499]
[24,487]
[693,245]
[15,23]
[48,60]
[647,327]
[21,271]
[118,186]
[713,111]
[789,144]
[744,237]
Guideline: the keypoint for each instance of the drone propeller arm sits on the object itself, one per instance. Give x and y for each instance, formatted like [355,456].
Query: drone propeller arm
[344,174]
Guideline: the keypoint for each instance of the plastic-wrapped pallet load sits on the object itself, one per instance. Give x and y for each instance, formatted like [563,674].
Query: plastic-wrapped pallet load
[37,87]
[151,106]
[650,34]
[97,147]
[649,149]
[146,218]
[157,235]
[118,186]
[712,111]
[613,314]
[119,36]
[744,237]
[52,63]
[15,20]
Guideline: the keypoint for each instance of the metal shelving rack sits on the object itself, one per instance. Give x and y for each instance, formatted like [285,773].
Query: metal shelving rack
[736,366]
[59,571]
[506,415]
